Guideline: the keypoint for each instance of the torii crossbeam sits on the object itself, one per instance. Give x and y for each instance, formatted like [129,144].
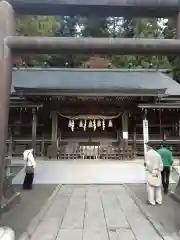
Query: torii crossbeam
[114,8]
[123,46]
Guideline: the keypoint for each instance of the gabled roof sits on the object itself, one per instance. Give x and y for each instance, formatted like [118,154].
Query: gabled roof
[92,81]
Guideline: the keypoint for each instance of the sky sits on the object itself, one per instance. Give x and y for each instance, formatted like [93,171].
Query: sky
[161,23]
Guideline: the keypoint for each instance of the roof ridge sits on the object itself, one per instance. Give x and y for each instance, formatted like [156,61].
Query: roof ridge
[90,69]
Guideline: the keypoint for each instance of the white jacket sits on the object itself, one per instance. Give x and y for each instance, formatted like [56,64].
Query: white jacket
[29,158]
[154,167]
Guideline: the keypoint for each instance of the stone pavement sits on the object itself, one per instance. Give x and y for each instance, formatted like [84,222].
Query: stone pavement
[20,215]
[168,214]
[67,172]
[91,172]
[92,212]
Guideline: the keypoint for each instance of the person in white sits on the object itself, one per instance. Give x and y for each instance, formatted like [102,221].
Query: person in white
[29,166]
[154,167]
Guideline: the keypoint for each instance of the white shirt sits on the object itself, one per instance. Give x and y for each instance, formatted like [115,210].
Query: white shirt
[29,158]
[154,166]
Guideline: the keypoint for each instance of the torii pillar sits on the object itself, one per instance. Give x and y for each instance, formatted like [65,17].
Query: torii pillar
[176,192]
[7,28]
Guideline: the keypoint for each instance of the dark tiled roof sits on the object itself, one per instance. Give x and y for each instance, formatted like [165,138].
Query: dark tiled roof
[95,80]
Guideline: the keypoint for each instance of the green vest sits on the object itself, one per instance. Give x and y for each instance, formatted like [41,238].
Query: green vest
[166,156]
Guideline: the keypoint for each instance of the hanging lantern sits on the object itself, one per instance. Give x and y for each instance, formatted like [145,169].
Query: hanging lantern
[85,125]
[110,123]
[70,124]
[99,123]
[103,124]
[90,124]
[81,124]
[94,125]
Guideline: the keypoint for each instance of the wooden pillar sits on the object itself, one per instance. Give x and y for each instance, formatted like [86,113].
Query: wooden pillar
[10,145]
[177,189]
[7,28]
[134,139]
[178,26]
[34,127]
[54,128]
[125,129]
[42,146]
[178,124]
[145,132]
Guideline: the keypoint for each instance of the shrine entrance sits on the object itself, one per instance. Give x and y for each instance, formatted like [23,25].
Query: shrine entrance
[12,44]
[90,136]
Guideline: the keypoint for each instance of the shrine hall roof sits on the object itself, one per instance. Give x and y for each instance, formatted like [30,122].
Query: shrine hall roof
[92,82]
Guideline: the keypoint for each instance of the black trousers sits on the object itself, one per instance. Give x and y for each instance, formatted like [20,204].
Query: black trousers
[165,178]
[28,181]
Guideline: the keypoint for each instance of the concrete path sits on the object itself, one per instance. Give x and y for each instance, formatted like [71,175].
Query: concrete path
[87,172]
[93,212]
[20,215]
[168,214]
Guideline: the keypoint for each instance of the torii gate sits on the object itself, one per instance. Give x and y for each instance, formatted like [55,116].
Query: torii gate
[11,44]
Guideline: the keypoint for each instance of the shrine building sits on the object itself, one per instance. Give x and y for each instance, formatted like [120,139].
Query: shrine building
[92,112]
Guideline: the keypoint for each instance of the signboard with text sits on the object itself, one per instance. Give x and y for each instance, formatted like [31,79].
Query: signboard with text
[145,135]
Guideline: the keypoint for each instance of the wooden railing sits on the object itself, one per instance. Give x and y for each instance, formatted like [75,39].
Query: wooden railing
[97,152]
[69,148]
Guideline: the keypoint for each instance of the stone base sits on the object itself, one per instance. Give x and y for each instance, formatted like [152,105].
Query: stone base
[175,196]
[176,193]
[7,203]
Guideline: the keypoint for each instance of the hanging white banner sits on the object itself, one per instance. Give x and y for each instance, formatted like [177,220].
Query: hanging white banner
[125,135]
[145,135]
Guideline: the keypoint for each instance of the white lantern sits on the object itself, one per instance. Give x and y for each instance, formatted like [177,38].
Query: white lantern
[103,124]
[81,124]
[85,125]
[72,125]
[69,124]
[110,123]
[90,124]
[94,125]
[99,123]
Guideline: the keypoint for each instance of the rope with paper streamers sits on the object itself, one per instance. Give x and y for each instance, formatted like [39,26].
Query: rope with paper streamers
[89,117]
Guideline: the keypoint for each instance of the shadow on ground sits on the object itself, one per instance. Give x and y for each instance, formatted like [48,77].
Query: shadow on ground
[167,214]
[20,215]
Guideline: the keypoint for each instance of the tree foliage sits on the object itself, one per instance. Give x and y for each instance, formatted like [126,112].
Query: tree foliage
[36,26]
[93,26]
[170,32]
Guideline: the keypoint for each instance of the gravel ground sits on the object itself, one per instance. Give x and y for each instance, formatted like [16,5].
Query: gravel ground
[20,216]
[167,214]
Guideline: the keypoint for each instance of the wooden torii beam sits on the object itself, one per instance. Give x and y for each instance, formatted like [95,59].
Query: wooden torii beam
[124,46]
[118,8]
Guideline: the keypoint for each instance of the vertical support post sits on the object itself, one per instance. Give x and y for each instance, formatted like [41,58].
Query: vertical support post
[179,127]
[34,128]
[134,140]
[54,128]
[145,132]
[42,145]
[7,28]
[178,26]
[10,147]
[125,129]
[160,124]
[177,190]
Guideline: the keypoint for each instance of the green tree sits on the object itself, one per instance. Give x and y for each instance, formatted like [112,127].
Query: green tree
[68,28]
[95,27]
[36,26]
[141,28]
[169,32]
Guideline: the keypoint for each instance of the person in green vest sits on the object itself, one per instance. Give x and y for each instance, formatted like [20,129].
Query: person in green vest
[167,159]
